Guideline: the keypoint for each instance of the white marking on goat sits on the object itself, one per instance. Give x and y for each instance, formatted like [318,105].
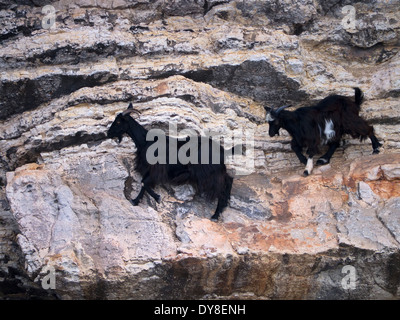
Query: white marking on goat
[329,132]
[269,118]
[323,160]
[309,166]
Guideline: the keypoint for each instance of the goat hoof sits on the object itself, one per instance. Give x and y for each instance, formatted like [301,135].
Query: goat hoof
[305,173]
[376,151]
[215,217]
[135,202]
[322,161]
[157,198]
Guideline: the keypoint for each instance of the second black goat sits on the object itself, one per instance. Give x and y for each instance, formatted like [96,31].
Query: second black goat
[322,124]
[210,179]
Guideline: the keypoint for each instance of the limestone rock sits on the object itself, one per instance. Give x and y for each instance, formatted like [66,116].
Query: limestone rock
[209,66]
[77,220]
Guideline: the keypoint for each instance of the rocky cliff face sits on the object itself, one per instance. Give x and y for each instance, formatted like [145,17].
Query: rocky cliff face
[205,65]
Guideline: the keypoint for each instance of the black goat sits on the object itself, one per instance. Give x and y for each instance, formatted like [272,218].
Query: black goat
[322,124]
[208,177]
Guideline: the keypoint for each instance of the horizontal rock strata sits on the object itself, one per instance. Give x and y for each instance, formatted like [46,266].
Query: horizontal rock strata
[208,66]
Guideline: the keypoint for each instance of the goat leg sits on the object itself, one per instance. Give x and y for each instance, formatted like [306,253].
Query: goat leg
[326,158]
[224,198]
[222,203]
[309,167]
[136,201]
[215,216]
[298,150]
[152,193]
[310,164]
[364,130]
[375,144]
[145,187]
[311,151]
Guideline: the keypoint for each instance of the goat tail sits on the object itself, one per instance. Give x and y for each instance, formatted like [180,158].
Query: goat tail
[359,96]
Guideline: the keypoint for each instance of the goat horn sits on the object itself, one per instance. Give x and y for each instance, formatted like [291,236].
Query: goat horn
[128,111]
[277,111]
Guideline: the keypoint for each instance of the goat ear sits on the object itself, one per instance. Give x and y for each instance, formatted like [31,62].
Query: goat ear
[130,106]
[268,109]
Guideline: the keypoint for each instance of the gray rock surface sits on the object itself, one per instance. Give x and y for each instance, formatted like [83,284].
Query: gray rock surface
[209,66]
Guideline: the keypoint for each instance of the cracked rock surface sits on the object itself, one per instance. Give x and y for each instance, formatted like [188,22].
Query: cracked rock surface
[206,66]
